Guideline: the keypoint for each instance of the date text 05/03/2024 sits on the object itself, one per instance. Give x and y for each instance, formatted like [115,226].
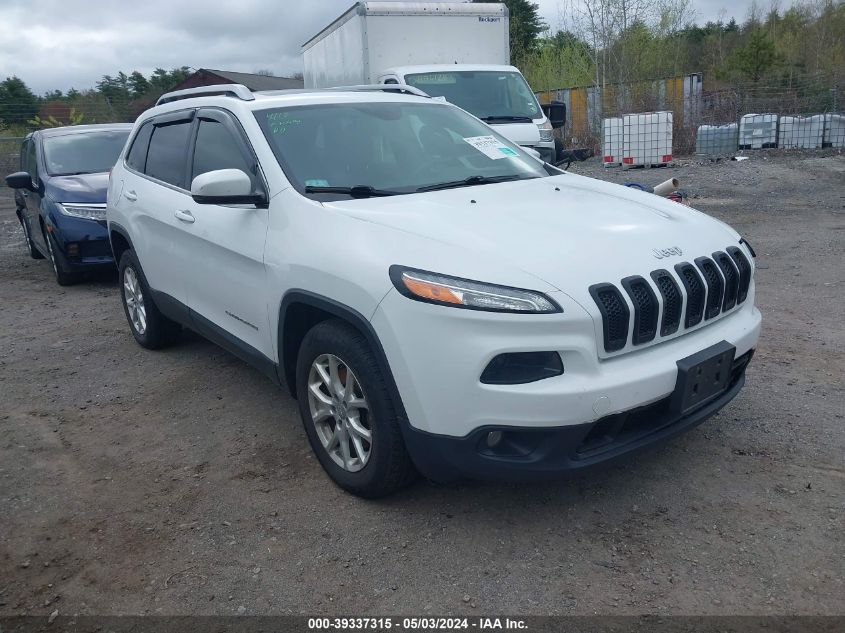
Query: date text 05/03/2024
[416,624]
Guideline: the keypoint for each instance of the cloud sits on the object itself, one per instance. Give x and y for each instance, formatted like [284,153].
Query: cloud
[72,43]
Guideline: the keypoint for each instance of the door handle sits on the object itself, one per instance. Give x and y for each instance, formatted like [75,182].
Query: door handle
[185,216]
[130,195]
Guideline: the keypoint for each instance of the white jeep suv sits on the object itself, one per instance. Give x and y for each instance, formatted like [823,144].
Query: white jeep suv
[435,298]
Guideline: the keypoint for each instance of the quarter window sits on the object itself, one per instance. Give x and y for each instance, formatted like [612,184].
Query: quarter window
[137,156]
[217,148]
[166,157]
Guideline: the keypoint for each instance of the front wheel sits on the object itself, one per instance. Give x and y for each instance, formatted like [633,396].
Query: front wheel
[30,246]
[348,413]
[64,277]
[149,326]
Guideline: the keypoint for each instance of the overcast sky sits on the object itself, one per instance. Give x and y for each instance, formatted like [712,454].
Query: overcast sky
[72,43]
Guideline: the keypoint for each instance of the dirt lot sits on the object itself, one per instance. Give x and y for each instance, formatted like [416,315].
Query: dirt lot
[136,482]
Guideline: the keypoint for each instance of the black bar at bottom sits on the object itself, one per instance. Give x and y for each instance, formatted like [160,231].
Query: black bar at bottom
[403,624]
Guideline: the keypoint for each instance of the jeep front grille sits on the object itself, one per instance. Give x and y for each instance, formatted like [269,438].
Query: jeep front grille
[731,275]
[715,286]
[694,293]
[646,309]
[673,301]
[614,313]
[744,272]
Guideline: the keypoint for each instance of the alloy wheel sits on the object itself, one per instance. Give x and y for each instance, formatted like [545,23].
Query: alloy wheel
[340,412]
[133,295]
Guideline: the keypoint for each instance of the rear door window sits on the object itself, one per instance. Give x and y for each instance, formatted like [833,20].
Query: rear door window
[167,155]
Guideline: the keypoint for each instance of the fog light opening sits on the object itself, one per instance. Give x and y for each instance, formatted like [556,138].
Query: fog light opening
[494,438]
[73,249]
[518,368]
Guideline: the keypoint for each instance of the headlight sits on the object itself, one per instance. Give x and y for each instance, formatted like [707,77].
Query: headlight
[547,132]
[463,293]
[86,211]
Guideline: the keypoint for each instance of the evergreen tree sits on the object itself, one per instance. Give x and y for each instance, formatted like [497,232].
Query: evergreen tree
[18,103]
[138,84]
[757,57]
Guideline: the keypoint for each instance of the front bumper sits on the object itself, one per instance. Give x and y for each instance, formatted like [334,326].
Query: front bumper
[530,453]
[437,355]
[83,244]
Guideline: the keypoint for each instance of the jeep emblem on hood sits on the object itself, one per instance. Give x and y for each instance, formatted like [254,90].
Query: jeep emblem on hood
[660,253]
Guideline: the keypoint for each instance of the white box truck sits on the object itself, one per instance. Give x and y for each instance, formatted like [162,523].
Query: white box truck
[458,51]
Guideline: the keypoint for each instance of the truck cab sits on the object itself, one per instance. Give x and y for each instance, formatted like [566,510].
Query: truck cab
[497,94]
[457,51]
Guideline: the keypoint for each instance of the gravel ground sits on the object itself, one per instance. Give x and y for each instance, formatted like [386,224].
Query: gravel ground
[181,482]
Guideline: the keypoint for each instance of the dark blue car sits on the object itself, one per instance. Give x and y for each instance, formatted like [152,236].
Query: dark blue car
[60,195]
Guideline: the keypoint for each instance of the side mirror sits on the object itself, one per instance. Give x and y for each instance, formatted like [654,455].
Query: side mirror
[557,114]
[225,186]
[19,180]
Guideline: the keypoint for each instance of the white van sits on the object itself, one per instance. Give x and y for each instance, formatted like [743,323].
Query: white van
[460,52]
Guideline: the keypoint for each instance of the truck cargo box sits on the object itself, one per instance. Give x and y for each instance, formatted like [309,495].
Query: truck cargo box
[373,36]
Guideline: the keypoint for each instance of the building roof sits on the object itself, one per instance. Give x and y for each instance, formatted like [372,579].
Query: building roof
[255,82]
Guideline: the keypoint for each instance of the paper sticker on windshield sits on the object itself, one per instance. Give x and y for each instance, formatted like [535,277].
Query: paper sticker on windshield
[490,146]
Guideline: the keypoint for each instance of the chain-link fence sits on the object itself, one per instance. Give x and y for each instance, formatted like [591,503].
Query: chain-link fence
[805,113]
[10,147]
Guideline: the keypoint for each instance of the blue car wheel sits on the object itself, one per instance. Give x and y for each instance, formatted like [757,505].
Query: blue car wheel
[63,276]
[33,250]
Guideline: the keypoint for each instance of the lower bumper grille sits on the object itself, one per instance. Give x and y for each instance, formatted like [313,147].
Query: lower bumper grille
[619,429]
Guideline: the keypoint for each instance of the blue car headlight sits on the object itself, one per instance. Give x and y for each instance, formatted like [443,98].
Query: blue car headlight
[90,211]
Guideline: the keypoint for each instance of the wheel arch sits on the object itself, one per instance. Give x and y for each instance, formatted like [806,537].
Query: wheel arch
[120,241]
[300,311]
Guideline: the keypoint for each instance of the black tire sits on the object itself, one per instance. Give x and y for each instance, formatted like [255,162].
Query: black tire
[33,250]
[64,276]
[158,331]
[389,467]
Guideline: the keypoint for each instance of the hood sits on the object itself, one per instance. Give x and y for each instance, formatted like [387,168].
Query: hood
[570,231]
[519,133]
[80,189]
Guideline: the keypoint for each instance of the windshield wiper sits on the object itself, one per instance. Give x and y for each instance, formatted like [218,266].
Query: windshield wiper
[358,191]
[471,181]
[507,117]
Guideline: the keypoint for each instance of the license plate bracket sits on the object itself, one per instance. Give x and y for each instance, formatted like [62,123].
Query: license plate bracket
[702,377]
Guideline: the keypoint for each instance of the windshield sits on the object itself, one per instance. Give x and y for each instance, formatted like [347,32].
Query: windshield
[83,153]
[391,147]
[486,94]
